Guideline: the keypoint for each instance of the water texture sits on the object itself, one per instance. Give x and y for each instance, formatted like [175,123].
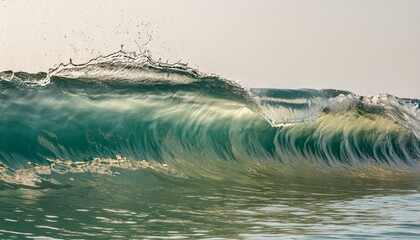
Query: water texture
[126,147]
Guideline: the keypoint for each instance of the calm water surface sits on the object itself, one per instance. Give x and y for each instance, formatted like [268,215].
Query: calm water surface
[147,205]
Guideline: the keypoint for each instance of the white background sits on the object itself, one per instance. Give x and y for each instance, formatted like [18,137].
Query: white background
[365,46]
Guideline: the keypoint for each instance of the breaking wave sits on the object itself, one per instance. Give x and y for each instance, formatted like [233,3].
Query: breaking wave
[127,111]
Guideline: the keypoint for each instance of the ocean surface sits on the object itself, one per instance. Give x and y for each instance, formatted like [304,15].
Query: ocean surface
[127,147]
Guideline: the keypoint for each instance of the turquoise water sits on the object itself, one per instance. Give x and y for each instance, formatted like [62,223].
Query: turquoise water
[125,147]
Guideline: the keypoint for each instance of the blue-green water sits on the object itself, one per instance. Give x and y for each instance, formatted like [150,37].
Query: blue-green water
[125,147]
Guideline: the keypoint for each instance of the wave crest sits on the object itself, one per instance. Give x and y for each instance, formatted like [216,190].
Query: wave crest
[127,104]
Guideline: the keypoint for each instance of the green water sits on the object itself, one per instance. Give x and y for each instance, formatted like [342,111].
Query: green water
[146,205]
[126,147]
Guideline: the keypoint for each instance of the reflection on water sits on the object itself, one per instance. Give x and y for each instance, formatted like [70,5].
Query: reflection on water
[143,204]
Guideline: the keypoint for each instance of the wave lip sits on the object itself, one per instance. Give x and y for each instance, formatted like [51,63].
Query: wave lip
[125,66]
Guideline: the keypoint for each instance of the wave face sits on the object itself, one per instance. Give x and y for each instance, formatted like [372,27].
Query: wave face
[128,111]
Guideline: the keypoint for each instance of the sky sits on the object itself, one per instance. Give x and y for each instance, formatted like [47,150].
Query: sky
[365,46]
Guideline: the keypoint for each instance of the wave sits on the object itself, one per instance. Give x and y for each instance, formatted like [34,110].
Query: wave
[143,111]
